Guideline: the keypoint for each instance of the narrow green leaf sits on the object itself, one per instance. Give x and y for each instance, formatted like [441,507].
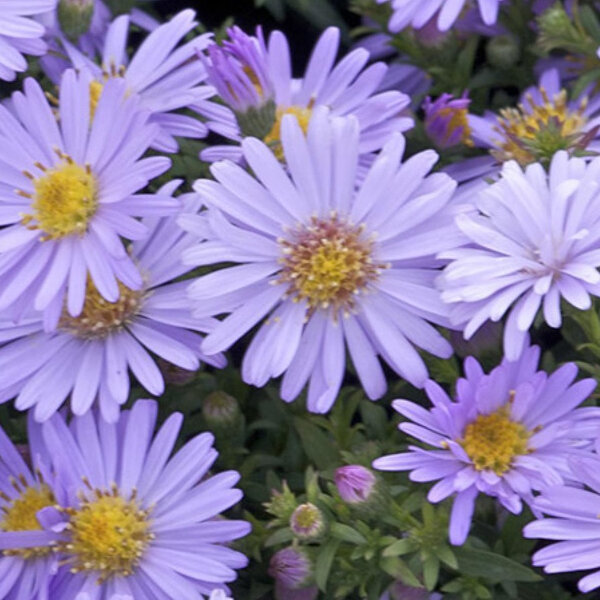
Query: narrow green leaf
[346,533]
[324,562]
[481,563]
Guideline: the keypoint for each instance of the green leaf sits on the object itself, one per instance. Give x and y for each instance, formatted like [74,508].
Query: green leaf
[317,445]
[481,563]
[431,572]
[398,569]
[400,547]
[346,533]
[324,563]
[282,536]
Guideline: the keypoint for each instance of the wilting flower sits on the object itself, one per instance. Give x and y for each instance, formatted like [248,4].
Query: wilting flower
[505,434]
[307,522]
[165,76]
[573,519]
[534,241]
[88,356]
[355,483]
[348,88]
[331,265]
[415,13]
[446,120]
[68,195]
[21,34]
[134,521]
[25,572]
[544,123]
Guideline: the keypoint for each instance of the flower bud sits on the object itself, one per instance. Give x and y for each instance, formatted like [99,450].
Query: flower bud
[120,7]
[307,522]
[173,374]
[355,483]
[75,17]
[503,51]
[292,568]
[446,120]
[282,504]
[558,30]
[220,410]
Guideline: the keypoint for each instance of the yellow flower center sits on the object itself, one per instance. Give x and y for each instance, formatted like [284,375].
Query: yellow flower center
[100,317]
[493,441]
[273,138]
[327,263]
[108,535]
[20,514]
[540,130]
[64,200]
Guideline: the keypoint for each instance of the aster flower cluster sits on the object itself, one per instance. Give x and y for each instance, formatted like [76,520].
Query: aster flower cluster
[213,261]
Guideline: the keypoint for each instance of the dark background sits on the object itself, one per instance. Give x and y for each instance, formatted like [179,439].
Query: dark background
[301,32]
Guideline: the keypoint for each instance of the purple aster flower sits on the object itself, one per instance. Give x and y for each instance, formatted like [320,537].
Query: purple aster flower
[20,34]
[544,123]
[166,75]
[330,265]
[348,88]
[88,356]
[534,240]
[573,519]
[68,195]
[134,521]
[505,434]
[355,483]
[415,13]
[446,121]
[25,572]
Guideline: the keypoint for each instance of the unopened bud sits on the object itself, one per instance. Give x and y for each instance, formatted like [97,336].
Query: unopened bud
[75,17]
[355,483]
[503,51]
[220,409]
[292,568]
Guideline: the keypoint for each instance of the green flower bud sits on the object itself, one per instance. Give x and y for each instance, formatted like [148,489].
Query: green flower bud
[503,51]
[75,17]
[220,410]
[308,522]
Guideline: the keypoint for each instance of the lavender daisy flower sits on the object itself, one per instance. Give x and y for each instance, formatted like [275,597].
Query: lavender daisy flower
[134,521]
[573,519]
[219,595]
[165,75]
[330,265]
[260,73]
[20,34]
[446,121]
[505,435]
[545,122]
[415,13]
[68,195]
[25,572]
[88,356]
[534,240]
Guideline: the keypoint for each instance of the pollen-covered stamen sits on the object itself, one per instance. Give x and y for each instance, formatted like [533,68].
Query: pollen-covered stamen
[108,535]
[273,138]
[328,262]
[97,86]
[100,317]
[537,131]
[64,199]
[493,441]
[20,514]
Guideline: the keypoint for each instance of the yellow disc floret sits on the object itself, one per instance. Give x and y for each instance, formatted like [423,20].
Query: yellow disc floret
[96,88]
[273,138]
[535,132]
[108,535]
[64,200]
[327,263]
[99,317]
[20,514]
[493,441]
